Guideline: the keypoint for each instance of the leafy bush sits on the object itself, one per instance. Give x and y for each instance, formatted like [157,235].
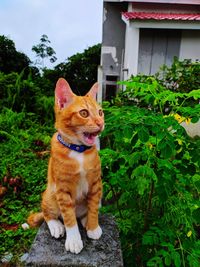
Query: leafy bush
[147,91]
[182,76]
[17,93]
[80,70]
[24,95]
[44,106]
[150,165]
[24,157]
[151,174]
[10,58]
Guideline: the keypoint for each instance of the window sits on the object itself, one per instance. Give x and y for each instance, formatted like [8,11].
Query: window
[157,47]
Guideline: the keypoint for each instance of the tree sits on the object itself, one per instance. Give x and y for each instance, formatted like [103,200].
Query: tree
[80,70]
[10,59]
[43,50]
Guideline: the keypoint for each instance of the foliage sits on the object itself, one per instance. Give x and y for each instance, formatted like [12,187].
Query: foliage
[10,59]
[80,70]
[150,165]
[181,76]
[17,93]
[24,94]
[44,107]
[43,50]
[151,174]
[147,91]
[34,92]
[24,155]
[26,104]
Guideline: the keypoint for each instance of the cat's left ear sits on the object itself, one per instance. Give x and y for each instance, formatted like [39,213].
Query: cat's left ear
[93,91]
[63,93]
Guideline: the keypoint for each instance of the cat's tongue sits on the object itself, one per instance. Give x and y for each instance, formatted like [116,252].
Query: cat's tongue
[90,138]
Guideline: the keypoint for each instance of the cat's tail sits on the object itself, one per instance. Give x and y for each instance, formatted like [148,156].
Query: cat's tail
[35,219]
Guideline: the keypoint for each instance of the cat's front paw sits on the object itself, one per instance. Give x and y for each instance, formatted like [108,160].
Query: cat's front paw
[74,245]
[95,234]
[73,241]
[56,228]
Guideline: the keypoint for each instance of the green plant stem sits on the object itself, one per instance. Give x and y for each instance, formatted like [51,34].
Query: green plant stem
[148,207]
[182,254]
[180,106]
[117,201]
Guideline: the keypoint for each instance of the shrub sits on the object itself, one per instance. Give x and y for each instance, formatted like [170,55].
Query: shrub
[17,93]
[182,76]
[24,95]
[151,174]
[24,154]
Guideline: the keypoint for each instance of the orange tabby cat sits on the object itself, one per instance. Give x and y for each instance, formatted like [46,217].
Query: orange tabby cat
[74,187]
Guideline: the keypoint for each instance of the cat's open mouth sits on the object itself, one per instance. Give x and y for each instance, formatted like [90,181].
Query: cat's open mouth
[89,138]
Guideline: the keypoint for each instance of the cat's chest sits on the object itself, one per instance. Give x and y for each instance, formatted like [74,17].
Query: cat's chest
[85,168]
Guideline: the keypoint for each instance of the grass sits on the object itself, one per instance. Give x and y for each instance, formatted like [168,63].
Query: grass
[23,172]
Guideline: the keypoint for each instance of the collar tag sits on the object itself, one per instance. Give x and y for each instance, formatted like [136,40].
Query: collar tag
[77,148]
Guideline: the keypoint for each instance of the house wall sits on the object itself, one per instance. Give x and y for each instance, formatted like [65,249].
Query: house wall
[190,45]
[187,2]
[156,48]
[165,8]
[192,129]
[180,2]
[130,64]
[121,41]
[141,54]
[162,39]
[113,41]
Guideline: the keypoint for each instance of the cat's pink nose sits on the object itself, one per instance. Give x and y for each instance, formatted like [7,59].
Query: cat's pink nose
[99,124]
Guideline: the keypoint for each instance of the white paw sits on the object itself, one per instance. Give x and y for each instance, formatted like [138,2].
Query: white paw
[95,234]
[73,241]
[56,228]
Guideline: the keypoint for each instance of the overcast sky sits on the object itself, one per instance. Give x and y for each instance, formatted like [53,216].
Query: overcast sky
[71,26]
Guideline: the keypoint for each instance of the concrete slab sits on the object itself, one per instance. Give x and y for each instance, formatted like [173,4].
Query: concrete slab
[105,252]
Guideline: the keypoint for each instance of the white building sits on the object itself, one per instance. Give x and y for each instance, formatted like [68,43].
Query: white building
[140,36]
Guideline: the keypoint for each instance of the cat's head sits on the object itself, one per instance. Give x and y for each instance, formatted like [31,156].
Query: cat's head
[78,118]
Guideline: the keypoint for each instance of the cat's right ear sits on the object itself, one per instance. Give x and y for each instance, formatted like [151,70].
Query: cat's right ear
[63,93]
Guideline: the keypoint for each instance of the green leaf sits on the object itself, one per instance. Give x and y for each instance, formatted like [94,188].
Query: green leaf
[148,238]
[142,185]
[154,262]
[128,132]
[143,177]
[161,134]
[134,139]
[134,158]
[177,259]
[166,147]
[196,215]
[166,151]
[168,260]
[141,180]
[195,94]
[196,180]
[195,119]
[143,134]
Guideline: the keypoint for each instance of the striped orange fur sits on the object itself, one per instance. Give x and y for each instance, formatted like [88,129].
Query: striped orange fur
[74,186]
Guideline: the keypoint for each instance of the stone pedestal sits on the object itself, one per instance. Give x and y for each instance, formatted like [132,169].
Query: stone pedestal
[105,252]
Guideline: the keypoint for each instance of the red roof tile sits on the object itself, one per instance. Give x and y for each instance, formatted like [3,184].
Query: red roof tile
[159,16]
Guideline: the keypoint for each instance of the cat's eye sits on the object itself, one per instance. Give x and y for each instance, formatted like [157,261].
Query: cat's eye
[100,112]
[84,113]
